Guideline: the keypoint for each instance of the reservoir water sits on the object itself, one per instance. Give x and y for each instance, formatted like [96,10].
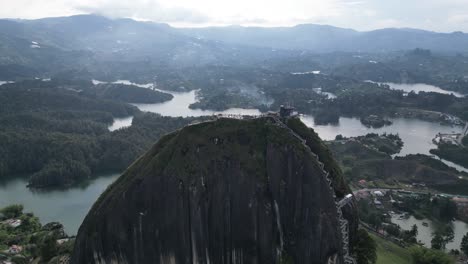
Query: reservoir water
[70,206]
[179,106]
[416,134]
[421,87]
[425,232]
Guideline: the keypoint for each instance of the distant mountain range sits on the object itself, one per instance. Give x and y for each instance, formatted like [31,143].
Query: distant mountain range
[323,38]
[95,43]
[97,33]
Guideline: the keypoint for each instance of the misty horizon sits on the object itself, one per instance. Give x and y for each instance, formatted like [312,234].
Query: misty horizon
[434,15]
[188,26]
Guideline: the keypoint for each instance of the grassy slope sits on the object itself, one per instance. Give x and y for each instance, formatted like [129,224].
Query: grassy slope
[390,253]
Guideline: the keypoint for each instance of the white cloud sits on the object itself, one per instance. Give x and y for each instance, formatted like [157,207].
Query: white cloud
[458,18]
[141,9]
[35,9]
[440,15]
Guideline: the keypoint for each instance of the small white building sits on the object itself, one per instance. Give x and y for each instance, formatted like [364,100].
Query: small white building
[62,241]
[13,222]
[378,193]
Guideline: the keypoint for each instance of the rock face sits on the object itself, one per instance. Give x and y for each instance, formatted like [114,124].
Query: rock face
[225,191]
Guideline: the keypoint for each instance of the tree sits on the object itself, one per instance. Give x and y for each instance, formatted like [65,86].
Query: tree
[414,230]
[442,237]
[421,255]
[375,219]
[409,236]
[49,248]
[29,223]
[365,249]
[437,242]
[448,234]
[464,244]
[12,211]
[393,230]
[339,137]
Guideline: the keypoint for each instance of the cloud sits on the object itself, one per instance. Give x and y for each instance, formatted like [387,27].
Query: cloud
[439,15]
[30,9]
[352,3]
[142,9]
[458,18]
[218,12]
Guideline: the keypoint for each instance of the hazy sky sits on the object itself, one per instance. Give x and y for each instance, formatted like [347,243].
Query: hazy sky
[438,15]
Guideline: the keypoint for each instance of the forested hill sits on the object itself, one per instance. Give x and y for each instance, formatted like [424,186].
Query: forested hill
[127,93]
[324,38]
[60,137]
[23,97]
[43,47]
[103,46]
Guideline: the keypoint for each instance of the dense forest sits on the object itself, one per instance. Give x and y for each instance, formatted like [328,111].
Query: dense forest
[267,90]
[61,136]
[57,131]
[414,66]
[27,97]
[127,93]
[369,158]
[455,153]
